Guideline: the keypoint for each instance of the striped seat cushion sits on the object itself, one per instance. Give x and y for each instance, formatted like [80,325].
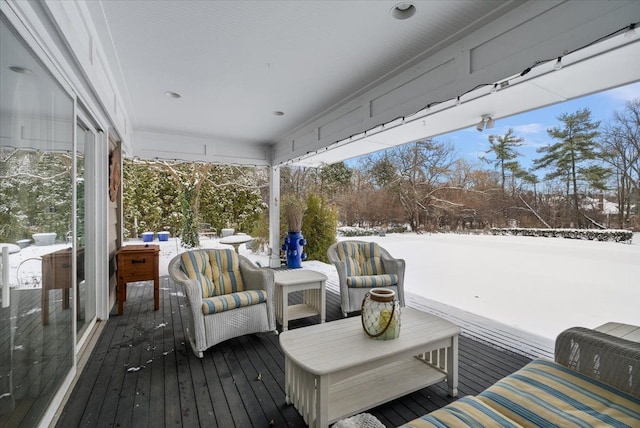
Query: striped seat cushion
[544,393]
[466,412]
[372,280]
[227,302]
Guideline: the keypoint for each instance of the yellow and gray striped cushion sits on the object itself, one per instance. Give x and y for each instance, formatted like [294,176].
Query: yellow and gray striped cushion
[371,261]
[231,301]
[196,265]
[225,266]
[349,253]
[361,259]
[466,412]
[372,281]
[544,393]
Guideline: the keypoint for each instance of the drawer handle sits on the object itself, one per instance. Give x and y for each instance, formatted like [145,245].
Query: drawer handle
[134,261]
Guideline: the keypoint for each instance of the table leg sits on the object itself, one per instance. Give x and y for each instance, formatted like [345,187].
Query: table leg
[284,304]
[45,305]
[452,367]
[156,293]
[121,296]
[322,402]
[323,302]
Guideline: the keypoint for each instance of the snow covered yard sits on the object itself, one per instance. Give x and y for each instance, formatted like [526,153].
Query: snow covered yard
[539,285]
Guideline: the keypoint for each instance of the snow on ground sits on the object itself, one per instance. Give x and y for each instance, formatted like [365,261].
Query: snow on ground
[539,285]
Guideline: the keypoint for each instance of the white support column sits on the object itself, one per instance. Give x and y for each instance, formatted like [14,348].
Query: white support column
[274,217]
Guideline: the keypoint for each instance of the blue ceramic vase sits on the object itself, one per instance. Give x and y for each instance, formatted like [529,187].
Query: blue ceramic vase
[293,246]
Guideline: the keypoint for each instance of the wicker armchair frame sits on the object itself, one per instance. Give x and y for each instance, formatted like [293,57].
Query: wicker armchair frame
[610,359]
[205,331]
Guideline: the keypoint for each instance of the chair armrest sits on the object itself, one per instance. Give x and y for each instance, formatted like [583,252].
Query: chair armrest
[397,267]
[391,265]
[257,278]
[191,287]
[607,358]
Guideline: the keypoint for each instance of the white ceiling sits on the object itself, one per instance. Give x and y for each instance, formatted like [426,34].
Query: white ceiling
[235,63]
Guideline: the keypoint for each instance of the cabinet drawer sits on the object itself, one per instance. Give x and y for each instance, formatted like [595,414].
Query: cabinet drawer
[135,267]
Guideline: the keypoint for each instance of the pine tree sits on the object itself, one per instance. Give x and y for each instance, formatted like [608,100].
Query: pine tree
[504,150]
[572,156]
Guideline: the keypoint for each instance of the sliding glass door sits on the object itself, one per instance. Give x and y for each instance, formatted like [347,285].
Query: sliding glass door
[39,169]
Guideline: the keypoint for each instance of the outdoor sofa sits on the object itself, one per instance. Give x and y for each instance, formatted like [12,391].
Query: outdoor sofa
[594,381]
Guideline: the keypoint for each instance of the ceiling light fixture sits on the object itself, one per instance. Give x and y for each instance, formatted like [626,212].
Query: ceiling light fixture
[558,64]
[486,122]
[404,10]
[20,69]
[171,94]
[490,123]
[631,32]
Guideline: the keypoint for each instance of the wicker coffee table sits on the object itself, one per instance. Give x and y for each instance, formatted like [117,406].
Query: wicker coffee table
[334,370]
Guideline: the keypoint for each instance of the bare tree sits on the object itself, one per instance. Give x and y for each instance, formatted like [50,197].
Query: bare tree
[620,148]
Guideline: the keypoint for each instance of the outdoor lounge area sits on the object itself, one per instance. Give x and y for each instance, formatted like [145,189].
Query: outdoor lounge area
[143,370]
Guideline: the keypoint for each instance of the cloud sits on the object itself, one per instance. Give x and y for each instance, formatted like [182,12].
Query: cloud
[529,128]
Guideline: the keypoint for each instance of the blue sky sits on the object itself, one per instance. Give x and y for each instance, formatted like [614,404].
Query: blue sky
[532,126]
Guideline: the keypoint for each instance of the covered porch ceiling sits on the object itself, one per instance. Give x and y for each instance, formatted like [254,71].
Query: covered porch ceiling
[311,82]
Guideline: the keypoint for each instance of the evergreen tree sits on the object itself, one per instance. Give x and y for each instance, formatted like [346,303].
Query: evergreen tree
[572,156]
[319,225]
[504,150]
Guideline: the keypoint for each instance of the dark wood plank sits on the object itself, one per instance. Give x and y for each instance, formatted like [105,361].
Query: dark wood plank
[175,388]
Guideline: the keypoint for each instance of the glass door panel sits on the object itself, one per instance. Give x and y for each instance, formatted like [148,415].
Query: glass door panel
[36,216]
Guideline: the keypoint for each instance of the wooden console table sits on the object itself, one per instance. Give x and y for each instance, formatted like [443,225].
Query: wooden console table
[137,263]
[56,275]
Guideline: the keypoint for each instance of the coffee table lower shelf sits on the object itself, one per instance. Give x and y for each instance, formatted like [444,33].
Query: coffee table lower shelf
[356,394]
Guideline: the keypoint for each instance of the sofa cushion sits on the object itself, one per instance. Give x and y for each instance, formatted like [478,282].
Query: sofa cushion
[227,302]
[197,266]
[225,266]
[372,281]
[545,393]
[467,411]
[361,259]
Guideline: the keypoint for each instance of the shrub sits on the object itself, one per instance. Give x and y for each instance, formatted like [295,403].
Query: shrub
[319,227]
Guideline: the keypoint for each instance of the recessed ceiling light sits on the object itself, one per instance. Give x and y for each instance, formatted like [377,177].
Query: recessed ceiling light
[403,10]
[278,113]
[19,69]
[173,94]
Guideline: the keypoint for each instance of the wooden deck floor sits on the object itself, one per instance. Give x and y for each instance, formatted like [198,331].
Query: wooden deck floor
[143,373]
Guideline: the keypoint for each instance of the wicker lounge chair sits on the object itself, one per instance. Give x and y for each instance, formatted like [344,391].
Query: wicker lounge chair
[361,266]
[228,296]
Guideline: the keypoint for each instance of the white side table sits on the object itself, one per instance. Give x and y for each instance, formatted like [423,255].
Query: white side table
[314,299]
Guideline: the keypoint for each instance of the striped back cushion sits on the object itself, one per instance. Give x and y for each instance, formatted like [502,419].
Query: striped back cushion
[196,265]
[545,393]
[225,265]
[349,253]
[371,261]
[360,258]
